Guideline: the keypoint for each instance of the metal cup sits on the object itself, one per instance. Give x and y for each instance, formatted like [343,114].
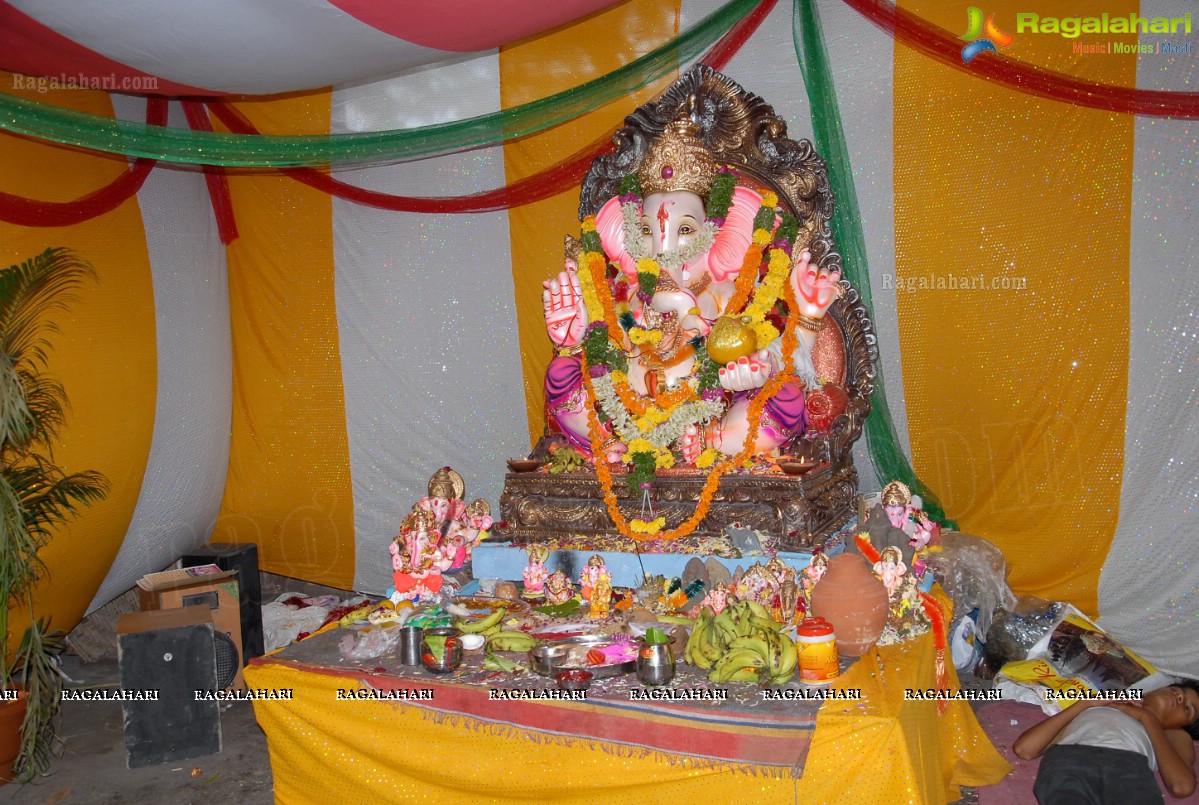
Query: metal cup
[655,663]
[410,644]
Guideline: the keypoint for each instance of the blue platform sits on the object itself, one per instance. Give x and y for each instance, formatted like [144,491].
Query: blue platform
[505,561]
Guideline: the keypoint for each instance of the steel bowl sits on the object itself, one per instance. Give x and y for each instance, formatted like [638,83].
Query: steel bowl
[574,679]
[452,657]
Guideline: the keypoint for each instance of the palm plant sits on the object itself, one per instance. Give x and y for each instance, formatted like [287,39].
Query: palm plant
[36,494]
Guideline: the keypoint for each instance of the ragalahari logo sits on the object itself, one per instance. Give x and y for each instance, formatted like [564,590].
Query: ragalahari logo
[982,35]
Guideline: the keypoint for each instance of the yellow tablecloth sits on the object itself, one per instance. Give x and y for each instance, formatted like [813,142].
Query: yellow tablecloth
[881,749]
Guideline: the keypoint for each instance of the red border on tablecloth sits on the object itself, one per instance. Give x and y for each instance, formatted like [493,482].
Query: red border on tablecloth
[764,739]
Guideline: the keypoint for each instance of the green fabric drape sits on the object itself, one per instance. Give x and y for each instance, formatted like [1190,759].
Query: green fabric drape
[48,122]
[889,461]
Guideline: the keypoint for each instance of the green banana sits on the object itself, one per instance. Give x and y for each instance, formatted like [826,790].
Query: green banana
[758,609]
[754,644]
[790,658]
[511,641]
[727,626]
[707,647]
[702,624]
[765,624]
[744,675]
[692,647]
[479,627]
[736,662]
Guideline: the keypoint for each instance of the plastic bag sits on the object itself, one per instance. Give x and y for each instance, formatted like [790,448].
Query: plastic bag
[371,642]
[1016,630]
[974,574]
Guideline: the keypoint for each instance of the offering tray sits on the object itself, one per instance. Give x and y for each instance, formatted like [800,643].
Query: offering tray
[569,654]
[483,605]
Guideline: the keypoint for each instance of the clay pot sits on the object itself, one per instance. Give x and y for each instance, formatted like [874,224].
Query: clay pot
[854,601]
[12,713]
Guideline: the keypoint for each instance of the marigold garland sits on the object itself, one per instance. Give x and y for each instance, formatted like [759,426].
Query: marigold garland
[639,406]
[746,279]
[593,279]
[936,616]
[638,529]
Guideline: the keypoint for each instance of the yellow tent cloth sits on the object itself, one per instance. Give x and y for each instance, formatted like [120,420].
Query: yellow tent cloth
[881,749]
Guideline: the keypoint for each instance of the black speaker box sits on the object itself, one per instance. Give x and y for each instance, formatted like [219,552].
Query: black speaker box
[165,656]
[244,559]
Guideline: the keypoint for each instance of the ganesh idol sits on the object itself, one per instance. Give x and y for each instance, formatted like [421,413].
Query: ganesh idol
[697,345]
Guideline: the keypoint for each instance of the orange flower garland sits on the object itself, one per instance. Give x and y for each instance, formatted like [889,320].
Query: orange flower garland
[746,279]
[936,616]
[707,494]
[598,269]
[638,405]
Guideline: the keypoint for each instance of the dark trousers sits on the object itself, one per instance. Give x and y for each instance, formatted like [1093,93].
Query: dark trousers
[1091,775]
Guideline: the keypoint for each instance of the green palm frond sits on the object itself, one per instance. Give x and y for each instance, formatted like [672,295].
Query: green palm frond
[20,565]
[42,681]
[48,497]
[45,408]
[28,293]
[36,495]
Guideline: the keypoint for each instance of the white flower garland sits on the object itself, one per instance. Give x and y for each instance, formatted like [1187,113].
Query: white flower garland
[704,237]
[663,435]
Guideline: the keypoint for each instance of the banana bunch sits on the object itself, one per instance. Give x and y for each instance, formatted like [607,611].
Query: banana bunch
[511,640]
[487,626]
[741,644]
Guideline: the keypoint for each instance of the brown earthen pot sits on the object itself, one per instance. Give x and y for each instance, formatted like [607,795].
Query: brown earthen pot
[854,601]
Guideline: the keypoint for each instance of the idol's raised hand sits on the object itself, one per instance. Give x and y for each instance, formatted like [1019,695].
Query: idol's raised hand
[815,288]
[565,312]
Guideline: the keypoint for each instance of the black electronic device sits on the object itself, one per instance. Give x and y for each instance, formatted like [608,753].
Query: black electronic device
[244,559]
[165,657]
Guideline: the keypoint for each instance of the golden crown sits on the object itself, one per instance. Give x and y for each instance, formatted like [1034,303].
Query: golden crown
[677,161]
[446,483]
[896,494]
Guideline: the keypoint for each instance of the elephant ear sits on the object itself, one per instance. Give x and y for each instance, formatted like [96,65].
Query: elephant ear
[609,225]
[735,237]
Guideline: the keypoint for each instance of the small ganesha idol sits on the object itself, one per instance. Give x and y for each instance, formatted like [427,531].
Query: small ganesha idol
[558,588]
[417,559]
[591,576]
[536,574]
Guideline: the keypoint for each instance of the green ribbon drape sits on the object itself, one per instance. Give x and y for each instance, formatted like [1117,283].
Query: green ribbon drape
[889,461]
[126,138]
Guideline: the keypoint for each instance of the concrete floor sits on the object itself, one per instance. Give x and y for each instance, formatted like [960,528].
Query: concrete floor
[93,768]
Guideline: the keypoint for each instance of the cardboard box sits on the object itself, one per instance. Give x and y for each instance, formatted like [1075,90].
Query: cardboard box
[216,591]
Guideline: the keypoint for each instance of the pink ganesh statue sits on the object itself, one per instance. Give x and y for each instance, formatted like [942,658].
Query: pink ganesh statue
[436,537]
[678,343]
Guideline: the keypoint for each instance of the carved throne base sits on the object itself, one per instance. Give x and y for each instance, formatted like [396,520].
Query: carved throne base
[799,512]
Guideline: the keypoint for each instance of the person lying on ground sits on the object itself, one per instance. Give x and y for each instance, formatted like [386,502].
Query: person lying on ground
[1105,752]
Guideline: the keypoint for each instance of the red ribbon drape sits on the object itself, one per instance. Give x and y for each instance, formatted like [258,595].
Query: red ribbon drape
[215,177]
[33,212]
[926,38]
